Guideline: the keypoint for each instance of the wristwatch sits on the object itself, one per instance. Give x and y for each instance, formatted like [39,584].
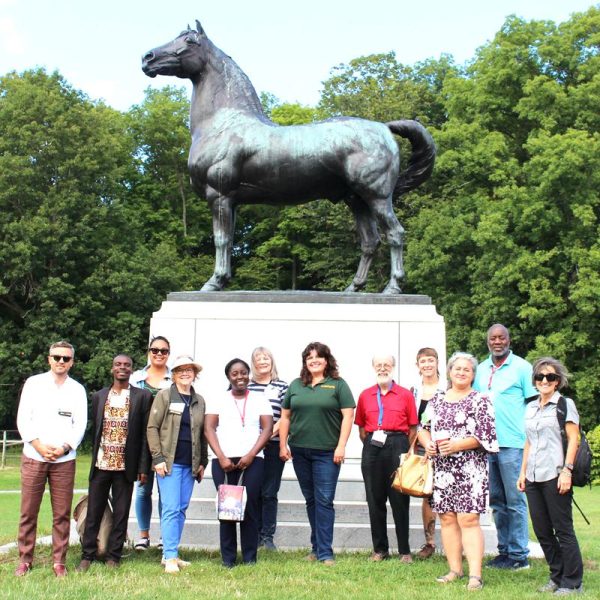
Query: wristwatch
[569,466]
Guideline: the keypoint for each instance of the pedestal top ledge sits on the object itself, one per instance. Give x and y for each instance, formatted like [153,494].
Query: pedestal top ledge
[299,297]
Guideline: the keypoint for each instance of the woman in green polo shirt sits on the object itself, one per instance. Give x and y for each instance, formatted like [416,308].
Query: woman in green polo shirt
[317,415]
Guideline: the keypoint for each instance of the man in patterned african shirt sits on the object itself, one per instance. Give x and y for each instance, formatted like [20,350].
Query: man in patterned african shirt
[119,457]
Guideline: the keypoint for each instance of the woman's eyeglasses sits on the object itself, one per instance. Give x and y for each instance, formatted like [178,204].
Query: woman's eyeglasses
[155,351]
[550,377]
[58,358]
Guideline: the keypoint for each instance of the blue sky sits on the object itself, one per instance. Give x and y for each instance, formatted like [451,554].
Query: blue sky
[286,48]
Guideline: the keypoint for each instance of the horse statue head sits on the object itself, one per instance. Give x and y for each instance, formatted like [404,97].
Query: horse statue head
[186,56]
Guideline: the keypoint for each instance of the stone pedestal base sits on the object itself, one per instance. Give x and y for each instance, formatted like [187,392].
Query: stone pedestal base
[215,327]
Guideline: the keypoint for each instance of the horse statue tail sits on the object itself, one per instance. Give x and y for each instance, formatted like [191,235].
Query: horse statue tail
[422,159]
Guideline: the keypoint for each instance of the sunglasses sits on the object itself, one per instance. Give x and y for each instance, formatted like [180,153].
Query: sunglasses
[59,358]
[155,351]
[550,377]
[180,371]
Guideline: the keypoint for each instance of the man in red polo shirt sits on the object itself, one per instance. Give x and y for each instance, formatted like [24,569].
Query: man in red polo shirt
[386,416]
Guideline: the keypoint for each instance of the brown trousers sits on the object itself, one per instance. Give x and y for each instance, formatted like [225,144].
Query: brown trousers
[60,478]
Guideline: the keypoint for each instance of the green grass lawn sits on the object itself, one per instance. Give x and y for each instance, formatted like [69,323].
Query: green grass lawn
[276,576]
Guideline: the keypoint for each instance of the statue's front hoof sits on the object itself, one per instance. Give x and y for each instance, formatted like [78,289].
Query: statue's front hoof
[211,286]
[392,288]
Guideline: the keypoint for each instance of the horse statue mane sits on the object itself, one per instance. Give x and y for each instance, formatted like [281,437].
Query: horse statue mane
[239,156]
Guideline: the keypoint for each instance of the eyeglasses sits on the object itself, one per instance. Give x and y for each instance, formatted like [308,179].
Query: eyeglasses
[59,358]
[180,371]
[155,351]
[551,377]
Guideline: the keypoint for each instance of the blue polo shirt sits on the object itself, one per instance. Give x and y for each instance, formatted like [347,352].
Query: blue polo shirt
[508,386]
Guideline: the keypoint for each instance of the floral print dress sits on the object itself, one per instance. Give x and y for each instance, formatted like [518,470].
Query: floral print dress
[461,481]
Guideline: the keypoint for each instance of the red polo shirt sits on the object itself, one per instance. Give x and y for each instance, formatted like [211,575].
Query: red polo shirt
[399,411]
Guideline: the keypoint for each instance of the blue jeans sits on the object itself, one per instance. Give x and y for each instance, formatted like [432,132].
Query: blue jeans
[143,502]
[269,490]
[318,475]
[508,504]
[175,490]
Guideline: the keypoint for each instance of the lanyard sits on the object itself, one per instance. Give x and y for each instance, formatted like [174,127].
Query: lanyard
[493,371]
[242,413]
[380,404]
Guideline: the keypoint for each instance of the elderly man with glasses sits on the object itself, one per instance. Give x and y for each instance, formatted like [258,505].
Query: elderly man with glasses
[386,416]
[51,420]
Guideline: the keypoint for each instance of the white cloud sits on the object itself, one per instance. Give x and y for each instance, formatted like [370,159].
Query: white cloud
[11,40]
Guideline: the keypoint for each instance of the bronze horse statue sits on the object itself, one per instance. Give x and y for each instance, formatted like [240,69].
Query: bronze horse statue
[238,156]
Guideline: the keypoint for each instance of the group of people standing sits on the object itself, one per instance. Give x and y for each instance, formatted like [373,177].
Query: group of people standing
[152,423]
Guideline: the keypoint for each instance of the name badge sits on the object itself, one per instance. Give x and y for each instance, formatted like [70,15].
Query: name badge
[378,438]
[176,408]
[117,401]
[64,413]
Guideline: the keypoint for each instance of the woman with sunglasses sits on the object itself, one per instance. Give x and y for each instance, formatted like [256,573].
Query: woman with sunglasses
[238,426]
[179,452]
[546,477]
[155,376]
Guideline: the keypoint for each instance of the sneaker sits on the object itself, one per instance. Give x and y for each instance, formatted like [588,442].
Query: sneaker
[562,591]
[426,551]
[142,544]
[160,544]
[182,564]
[548,587]
[497,562]
[406,559]
[269,545]
[171,566]
[515,565]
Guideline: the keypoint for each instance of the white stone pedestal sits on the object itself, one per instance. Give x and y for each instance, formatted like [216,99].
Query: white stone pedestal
[215,327]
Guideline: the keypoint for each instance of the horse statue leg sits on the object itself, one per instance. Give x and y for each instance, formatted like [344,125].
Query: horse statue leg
[369,240]
[223,215]
[394,233]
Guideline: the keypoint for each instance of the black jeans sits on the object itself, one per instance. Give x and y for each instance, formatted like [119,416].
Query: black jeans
[253,476]
[377,466]
[552,519]
[270,488]
[101,484]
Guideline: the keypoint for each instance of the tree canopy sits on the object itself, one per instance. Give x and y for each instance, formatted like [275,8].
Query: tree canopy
[98,220]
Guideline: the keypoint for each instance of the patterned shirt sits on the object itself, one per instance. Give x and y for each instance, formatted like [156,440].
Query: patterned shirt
[274,392]
[111,453]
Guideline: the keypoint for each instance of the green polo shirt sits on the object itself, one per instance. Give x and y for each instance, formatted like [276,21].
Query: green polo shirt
[316,415]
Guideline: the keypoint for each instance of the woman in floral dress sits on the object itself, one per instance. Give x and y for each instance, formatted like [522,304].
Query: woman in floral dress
[458,433]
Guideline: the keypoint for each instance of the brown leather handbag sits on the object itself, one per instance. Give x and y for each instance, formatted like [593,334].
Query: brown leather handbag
[414,476]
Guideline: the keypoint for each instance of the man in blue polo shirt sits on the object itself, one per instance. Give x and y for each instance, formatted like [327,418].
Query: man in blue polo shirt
[507,379]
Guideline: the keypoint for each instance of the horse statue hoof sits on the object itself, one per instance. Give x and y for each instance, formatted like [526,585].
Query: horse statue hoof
[392,288]
[211,286]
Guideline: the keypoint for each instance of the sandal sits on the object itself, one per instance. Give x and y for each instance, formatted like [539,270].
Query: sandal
[449,577]
[478,585]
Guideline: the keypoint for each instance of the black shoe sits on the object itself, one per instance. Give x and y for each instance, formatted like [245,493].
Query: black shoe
[515,565]
[497,562]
